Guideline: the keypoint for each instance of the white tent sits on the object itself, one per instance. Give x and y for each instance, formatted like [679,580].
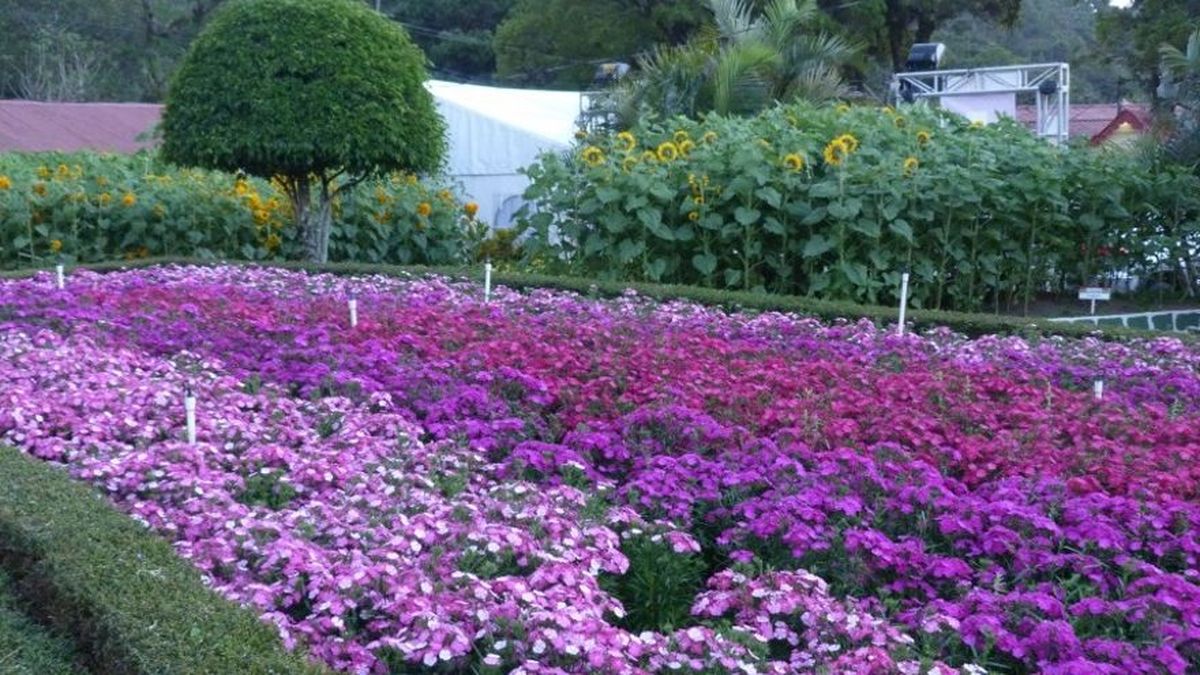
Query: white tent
[494,132]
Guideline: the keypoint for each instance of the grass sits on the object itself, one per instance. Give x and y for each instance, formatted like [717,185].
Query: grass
[971,324]
[27,648]
[131,605]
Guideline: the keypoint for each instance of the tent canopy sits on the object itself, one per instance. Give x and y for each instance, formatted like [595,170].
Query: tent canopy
[495,132]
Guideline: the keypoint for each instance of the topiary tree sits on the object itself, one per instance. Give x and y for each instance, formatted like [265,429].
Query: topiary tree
[317,94]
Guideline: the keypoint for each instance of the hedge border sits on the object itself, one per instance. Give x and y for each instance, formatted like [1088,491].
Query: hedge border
[129,602]
[26,647]
[970,324]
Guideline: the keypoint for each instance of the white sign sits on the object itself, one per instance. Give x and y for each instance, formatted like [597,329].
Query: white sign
[1095,293]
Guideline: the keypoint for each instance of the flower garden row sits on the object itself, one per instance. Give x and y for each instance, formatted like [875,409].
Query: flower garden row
[552,484]
[89,207]
[835,201]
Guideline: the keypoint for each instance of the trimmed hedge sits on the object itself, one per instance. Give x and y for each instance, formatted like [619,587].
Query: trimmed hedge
[130,603]
[27,648]
[969,324]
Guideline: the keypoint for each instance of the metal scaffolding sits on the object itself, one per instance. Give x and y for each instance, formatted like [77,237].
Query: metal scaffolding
[1049,82]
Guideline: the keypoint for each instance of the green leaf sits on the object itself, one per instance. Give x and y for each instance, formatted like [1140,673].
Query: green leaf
[816,246]
[902,228]
[746,216]
[705,263]
[772,225]
[607,195]
[628,250]
[769,195]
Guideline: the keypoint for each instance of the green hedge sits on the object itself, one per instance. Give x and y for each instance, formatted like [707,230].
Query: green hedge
[967,323]
[27,648]
[129,602]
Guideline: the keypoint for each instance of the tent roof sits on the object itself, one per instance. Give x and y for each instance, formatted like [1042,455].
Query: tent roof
[550,115]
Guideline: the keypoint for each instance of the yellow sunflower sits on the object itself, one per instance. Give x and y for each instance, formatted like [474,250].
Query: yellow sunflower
[836,152]
[842,108]
[129,199]
[910,165]
[592,155]
[424,209]
[649,157]
[694,216]
[686,147]
[923,137]
[629,163]
[667,151]
[470,208]
[39,188]
[627,141]
[899,121]
[849,141]
[680,136]
[5,182]
[710,136]
[794,162]
[55,245]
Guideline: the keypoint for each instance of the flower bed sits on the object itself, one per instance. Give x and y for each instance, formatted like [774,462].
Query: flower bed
[550,484]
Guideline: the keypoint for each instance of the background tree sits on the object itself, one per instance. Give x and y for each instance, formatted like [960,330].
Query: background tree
[1134,34]
[742,62]
[129,47]
[456,35]
[318,94]
[1047,31]
[1181,74]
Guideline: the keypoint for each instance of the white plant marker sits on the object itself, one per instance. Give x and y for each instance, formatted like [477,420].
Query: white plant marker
[1098,388]
[60,280]
[353,304]
[903,301]
[189,406]
[487,281]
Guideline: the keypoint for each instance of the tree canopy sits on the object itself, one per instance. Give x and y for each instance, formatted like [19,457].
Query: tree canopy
[309,91]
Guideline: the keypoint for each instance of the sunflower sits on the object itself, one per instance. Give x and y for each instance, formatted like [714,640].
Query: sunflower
[55,245]
[923,137]
[129,199]
[470,208]
[910,165]
[39,188]
[849,141]
[649,157]
[680,136]
[977,124]
[899,121]
[836,152]
[104,199]
[694,216]
[710,137]
[424,209]
[686,147]
[794,162]
[667,151]
[842,108]
[580,134]
[5,182]
[43,172]
[627,141]
[592,155]
[629,163]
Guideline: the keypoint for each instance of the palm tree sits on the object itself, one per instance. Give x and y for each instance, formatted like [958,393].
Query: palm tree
[1181,86]
[741,63]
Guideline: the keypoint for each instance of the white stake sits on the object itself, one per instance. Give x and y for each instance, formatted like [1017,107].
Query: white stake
[59,276]
[903,301]
[353,311]
[487,281]
[1098,389]
[189,406]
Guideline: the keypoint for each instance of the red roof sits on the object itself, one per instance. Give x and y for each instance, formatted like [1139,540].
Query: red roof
[1094,121]
[32,126]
